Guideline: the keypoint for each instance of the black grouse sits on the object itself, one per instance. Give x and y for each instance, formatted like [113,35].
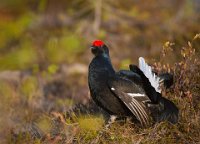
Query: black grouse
[134,93]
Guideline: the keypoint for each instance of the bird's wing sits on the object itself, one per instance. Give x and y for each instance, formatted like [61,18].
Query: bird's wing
[147,70]
[132,96]
[130,75]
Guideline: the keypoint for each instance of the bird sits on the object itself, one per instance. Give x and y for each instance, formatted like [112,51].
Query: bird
[134,93]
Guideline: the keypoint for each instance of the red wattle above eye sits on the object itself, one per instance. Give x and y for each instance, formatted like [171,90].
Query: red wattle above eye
[98,43]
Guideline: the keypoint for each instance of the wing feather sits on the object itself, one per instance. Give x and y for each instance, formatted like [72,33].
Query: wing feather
[132,96]
[134,105]
[140,110]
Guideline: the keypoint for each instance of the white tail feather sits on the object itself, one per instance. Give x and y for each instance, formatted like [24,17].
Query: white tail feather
[147,70]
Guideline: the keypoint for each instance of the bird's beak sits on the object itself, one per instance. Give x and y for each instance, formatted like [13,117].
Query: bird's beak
[92,47]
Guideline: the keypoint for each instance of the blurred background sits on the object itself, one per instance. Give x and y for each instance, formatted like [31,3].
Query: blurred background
[44,48]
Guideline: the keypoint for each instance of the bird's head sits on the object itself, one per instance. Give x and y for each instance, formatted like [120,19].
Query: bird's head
[98,47]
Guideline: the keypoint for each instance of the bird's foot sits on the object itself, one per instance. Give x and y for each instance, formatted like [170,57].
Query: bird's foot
[110,121]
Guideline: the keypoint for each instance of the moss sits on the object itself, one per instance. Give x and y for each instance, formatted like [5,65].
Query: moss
[29,87]
[89,127]
[90,123]
[44,123]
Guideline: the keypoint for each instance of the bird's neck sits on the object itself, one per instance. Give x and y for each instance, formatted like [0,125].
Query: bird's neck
[105,61]
[105,55]
[101,65]
[100,69]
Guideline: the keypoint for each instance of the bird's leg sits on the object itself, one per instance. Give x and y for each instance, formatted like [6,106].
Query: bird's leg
[110,121]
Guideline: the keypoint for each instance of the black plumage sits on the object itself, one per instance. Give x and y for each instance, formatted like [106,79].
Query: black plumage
[126,93]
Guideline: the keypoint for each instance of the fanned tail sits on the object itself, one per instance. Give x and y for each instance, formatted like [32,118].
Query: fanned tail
[147,70]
